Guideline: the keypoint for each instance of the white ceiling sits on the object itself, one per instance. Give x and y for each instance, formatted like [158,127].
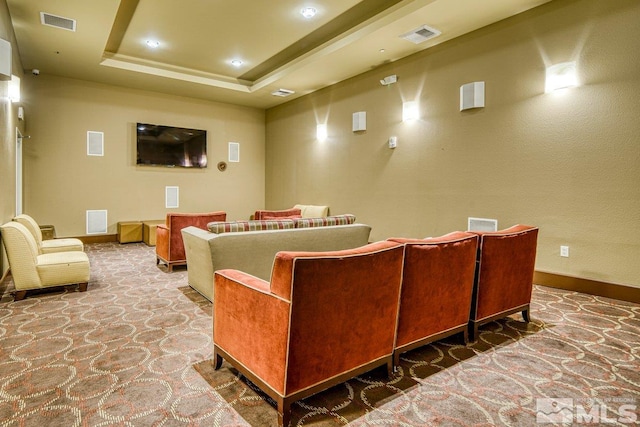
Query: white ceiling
[198,39]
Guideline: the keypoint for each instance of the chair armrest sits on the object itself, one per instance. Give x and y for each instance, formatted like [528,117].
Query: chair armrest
[251,324]
[162,241]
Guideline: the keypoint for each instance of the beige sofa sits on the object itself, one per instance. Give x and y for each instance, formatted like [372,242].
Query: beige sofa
[254,251]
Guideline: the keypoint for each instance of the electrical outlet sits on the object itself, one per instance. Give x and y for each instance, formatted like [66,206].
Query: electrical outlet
[393,142]
[564,251]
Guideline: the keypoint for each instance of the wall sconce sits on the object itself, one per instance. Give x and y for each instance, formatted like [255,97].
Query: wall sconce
[410,111]
[14,89]
[321,132]
[359,121]
[560,76]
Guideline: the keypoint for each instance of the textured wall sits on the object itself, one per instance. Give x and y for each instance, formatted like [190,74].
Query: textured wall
[568,163]
[62,182]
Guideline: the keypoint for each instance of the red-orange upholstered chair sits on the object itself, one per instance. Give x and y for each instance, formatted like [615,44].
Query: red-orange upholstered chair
[437,284]
[324,318]
[287,213]
[504,275]
[169,244]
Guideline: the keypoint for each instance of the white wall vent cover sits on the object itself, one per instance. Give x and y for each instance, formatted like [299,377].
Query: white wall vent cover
[172,196]
[95,143]
[57,21]
[421,34]
[97,222]
[482,224]
[234,152]
[5,60]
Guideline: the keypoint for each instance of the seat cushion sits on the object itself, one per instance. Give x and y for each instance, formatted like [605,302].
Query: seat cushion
[63,268]
[61,245]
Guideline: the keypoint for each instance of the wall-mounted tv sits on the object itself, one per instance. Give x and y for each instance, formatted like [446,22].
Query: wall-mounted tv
[171,146]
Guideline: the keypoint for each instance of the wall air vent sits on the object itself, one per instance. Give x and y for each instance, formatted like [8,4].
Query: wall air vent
[421,34]
[57,21]
[482,224]
[282,92]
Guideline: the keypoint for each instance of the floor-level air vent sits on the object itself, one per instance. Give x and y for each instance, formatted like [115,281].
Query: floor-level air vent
[482,224]
[282,92]
[57,21]
[421,34]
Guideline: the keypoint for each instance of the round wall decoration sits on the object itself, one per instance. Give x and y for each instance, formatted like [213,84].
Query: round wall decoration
[222,166]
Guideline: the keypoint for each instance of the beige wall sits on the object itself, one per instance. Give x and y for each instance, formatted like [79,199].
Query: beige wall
[62,182]
[568,163]
[8,123]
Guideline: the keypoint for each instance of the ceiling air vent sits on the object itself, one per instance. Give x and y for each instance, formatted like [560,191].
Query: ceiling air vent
[282,92]
[421,34]
[57,21]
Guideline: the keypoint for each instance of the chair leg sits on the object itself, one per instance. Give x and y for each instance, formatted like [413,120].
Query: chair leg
[284,412]
[473,330]
[465,336]
[19,295]
[217,361]
[525,315]
[396,361]
[82,287]
[391,364]
[170,267]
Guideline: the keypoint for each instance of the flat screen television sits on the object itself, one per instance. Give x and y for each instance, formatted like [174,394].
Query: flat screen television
[171,146]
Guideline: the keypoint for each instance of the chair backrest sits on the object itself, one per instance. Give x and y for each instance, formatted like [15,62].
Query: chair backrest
[32,226]
[22,252]
[313,211]
[506,262]
[177,221]
[287,213]
[437,285]
[344,308]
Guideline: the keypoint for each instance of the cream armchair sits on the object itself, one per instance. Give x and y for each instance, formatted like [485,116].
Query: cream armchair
[48,246]
[31,270]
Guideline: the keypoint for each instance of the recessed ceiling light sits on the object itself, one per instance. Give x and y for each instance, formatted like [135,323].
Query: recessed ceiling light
[236,62]
[309,12]
[153,43]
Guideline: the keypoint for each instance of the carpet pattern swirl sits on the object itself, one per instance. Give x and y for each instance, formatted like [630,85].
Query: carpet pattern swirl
[136,349]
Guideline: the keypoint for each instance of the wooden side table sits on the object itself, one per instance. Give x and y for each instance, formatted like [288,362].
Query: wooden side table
[129,231]
[149,231]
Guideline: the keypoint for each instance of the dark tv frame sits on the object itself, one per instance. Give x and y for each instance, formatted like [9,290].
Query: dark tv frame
[170,146]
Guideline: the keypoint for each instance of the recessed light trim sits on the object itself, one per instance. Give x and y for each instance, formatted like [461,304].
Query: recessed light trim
[308,12]
[153,43]
[236,62]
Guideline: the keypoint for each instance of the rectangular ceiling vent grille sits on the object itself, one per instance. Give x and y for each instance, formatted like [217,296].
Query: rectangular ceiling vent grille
[282,92]
[57,21]
[421,34]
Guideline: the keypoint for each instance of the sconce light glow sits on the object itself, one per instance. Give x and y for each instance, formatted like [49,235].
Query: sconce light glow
[560,76]
[308,12]
[153,43]
[321,132]
[14,89]
[410,111]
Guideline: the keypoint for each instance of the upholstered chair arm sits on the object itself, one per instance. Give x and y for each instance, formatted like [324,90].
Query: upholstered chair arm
[251,324]
[162,241]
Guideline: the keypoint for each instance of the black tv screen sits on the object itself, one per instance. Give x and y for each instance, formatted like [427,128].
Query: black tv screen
[171,146]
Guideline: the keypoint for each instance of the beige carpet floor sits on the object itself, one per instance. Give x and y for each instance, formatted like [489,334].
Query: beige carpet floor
[135,350]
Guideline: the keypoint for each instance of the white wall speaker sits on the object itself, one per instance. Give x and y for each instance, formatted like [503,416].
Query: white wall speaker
[359,121]
[482,224]
[95,143]
[471,95]
[5,60]
[96,221]
[234,152]
[171,196]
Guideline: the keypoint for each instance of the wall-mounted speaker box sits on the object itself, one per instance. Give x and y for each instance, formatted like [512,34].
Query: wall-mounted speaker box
[471,96]
[96,221]
[359,121]
[5,60]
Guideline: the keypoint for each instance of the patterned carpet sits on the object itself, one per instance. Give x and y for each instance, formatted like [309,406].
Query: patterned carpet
[135,350]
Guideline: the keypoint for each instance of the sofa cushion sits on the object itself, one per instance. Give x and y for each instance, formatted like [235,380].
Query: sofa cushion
[287,213]
[329,220]
[239,226]
[268,218]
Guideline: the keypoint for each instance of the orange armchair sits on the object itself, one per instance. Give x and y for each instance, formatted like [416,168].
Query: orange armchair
[296,335]
[437,284]
[504,278]
[169,244]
